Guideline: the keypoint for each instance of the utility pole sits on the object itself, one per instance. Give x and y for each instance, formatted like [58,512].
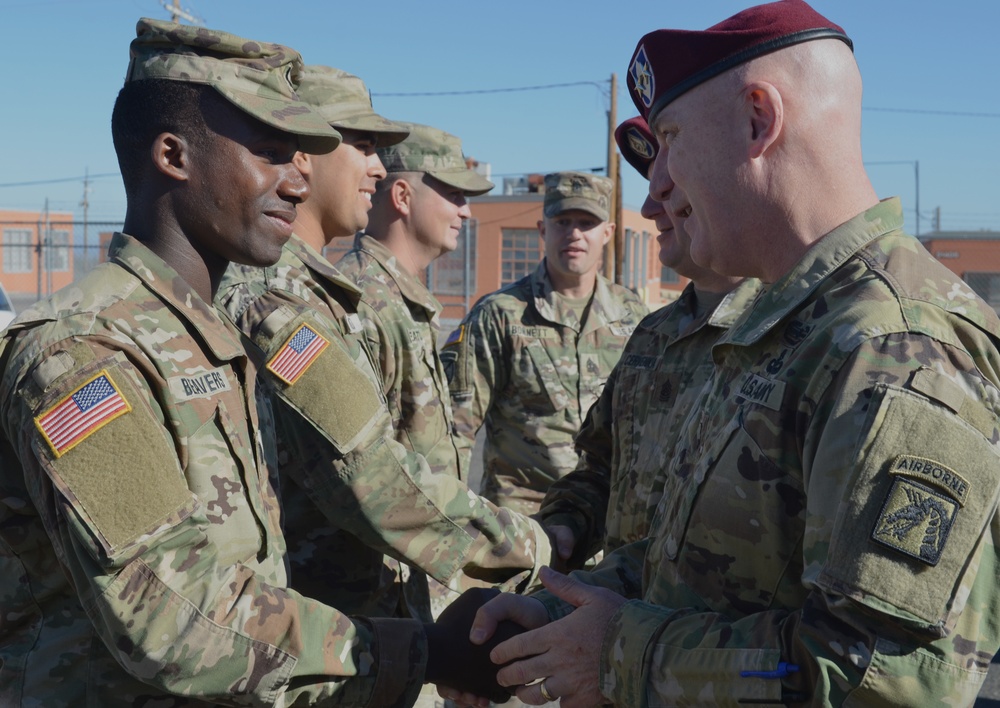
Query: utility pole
[937,218]
[616,247]
[916,172]
[86,205]
[179,13]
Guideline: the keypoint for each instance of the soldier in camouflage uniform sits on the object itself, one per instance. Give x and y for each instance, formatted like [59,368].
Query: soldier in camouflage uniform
[828,533]
[530,359]
[141,555]
[630,433]
[350,491]
[417,215]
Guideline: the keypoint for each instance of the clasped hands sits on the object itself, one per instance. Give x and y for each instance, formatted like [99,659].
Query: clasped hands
[487,645]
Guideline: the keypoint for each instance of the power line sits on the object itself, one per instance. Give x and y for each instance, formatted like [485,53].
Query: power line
[964,114]
[57,181]
[543,87]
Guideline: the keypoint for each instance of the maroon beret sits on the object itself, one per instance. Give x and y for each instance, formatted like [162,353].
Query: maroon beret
[637,144]
[667,63]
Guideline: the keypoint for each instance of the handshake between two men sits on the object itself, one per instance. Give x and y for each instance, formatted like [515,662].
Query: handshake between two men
[487,645]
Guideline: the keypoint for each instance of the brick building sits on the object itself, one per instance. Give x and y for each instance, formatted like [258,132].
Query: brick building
[502,243]
[36,251]
[974,256]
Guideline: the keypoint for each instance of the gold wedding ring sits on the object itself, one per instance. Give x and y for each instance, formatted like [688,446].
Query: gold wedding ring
[545,691]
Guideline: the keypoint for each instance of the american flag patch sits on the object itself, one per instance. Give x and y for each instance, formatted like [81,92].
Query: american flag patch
[297,354]
[82,413]
[456,336]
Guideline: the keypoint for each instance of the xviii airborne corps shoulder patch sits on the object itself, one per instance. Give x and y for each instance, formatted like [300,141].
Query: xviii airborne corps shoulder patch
[920,508]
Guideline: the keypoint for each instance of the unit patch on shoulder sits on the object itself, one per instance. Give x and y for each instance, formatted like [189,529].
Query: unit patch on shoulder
[456,337]
[80,414]
[916,518]
[297,354]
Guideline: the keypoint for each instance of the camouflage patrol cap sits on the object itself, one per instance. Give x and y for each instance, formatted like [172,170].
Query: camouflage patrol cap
[259,78]
[577,190]
[343,100]
[437,153]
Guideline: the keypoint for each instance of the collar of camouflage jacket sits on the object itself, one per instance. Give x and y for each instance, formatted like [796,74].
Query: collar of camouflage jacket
[412,289]
[604,307]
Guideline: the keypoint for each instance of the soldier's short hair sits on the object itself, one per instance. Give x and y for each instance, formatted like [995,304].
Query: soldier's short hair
[147,108]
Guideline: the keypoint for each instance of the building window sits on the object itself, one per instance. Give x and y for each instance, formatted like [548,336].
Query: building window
[521,252]
[986,286]
[669,276]
[17,248]
[454,273]
[57,251]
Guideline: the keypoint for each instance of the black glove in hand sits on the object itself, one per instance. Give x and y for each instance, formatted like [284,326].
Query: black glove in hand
[456,662]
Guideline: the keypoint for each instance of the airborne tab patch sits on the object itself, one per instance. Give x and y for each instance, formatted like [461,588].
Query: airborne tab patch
[82,413]
[915,521]
[297,354]
[934,474]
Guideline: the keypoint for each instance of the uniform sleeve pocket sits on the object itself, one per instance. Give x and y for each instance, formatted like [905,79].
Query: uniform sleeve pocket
[908,539]
[111,462]
[306,363]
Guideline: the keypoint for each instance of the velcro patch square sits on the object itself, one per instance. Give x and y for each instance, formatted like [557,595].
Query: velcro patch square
[297,354]
[915,520]
[456,336]
[80,414]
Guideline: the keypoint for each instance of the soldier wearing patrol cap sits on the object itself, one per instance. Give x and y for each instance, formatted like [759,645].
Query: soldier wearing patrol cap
[610,498]
[350,491]
[531,358]
[418,213]
[829,530]
[141,554]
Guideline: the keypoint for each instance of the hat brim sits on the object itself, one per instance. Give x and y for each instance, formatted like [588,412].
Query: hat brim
[472,183]
[315,135]
[388,132]
[570,203]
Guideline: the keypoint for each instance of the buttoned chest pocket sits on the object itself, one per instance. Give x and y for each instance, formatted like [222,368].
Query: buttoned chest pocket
[226,484]
[730,522]
[537,384]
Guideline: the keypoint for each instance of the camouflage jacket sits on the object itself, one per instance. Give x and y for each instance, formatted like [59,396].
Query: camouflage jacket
[832,503]
[138,514]
[629,435]
[350,491]
[404,329]
[525,366]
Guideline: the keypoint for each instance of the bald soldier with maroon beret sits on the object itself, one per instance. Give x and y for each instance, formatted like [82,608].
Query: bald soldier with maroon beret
[805,550]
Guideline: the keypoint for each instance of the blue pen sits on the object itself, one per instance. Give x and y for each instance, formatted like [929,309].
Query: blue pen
[783,670]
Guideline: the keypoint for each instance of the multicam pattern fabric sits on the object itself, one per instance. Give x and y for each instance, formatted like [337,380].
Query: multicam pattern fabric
[774,541]
[630,434]
[158,534]
[351,493]
[577,190]
[437,153]
[258,77]
[528,369]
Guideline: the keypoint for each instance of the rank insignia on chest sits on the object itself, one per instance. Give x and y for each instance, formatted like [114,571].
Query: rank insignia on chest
[297,354]
[82,413]
[920,508]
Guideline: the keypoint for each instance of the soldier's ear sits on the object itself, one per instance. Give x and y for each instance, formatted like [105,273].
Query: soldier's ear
[171,156]
[541,228]
[304,164]
[401,194]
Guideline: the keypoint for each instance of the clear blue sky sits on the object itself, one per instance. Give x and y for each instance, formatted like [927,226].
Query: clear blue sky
[64,61]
